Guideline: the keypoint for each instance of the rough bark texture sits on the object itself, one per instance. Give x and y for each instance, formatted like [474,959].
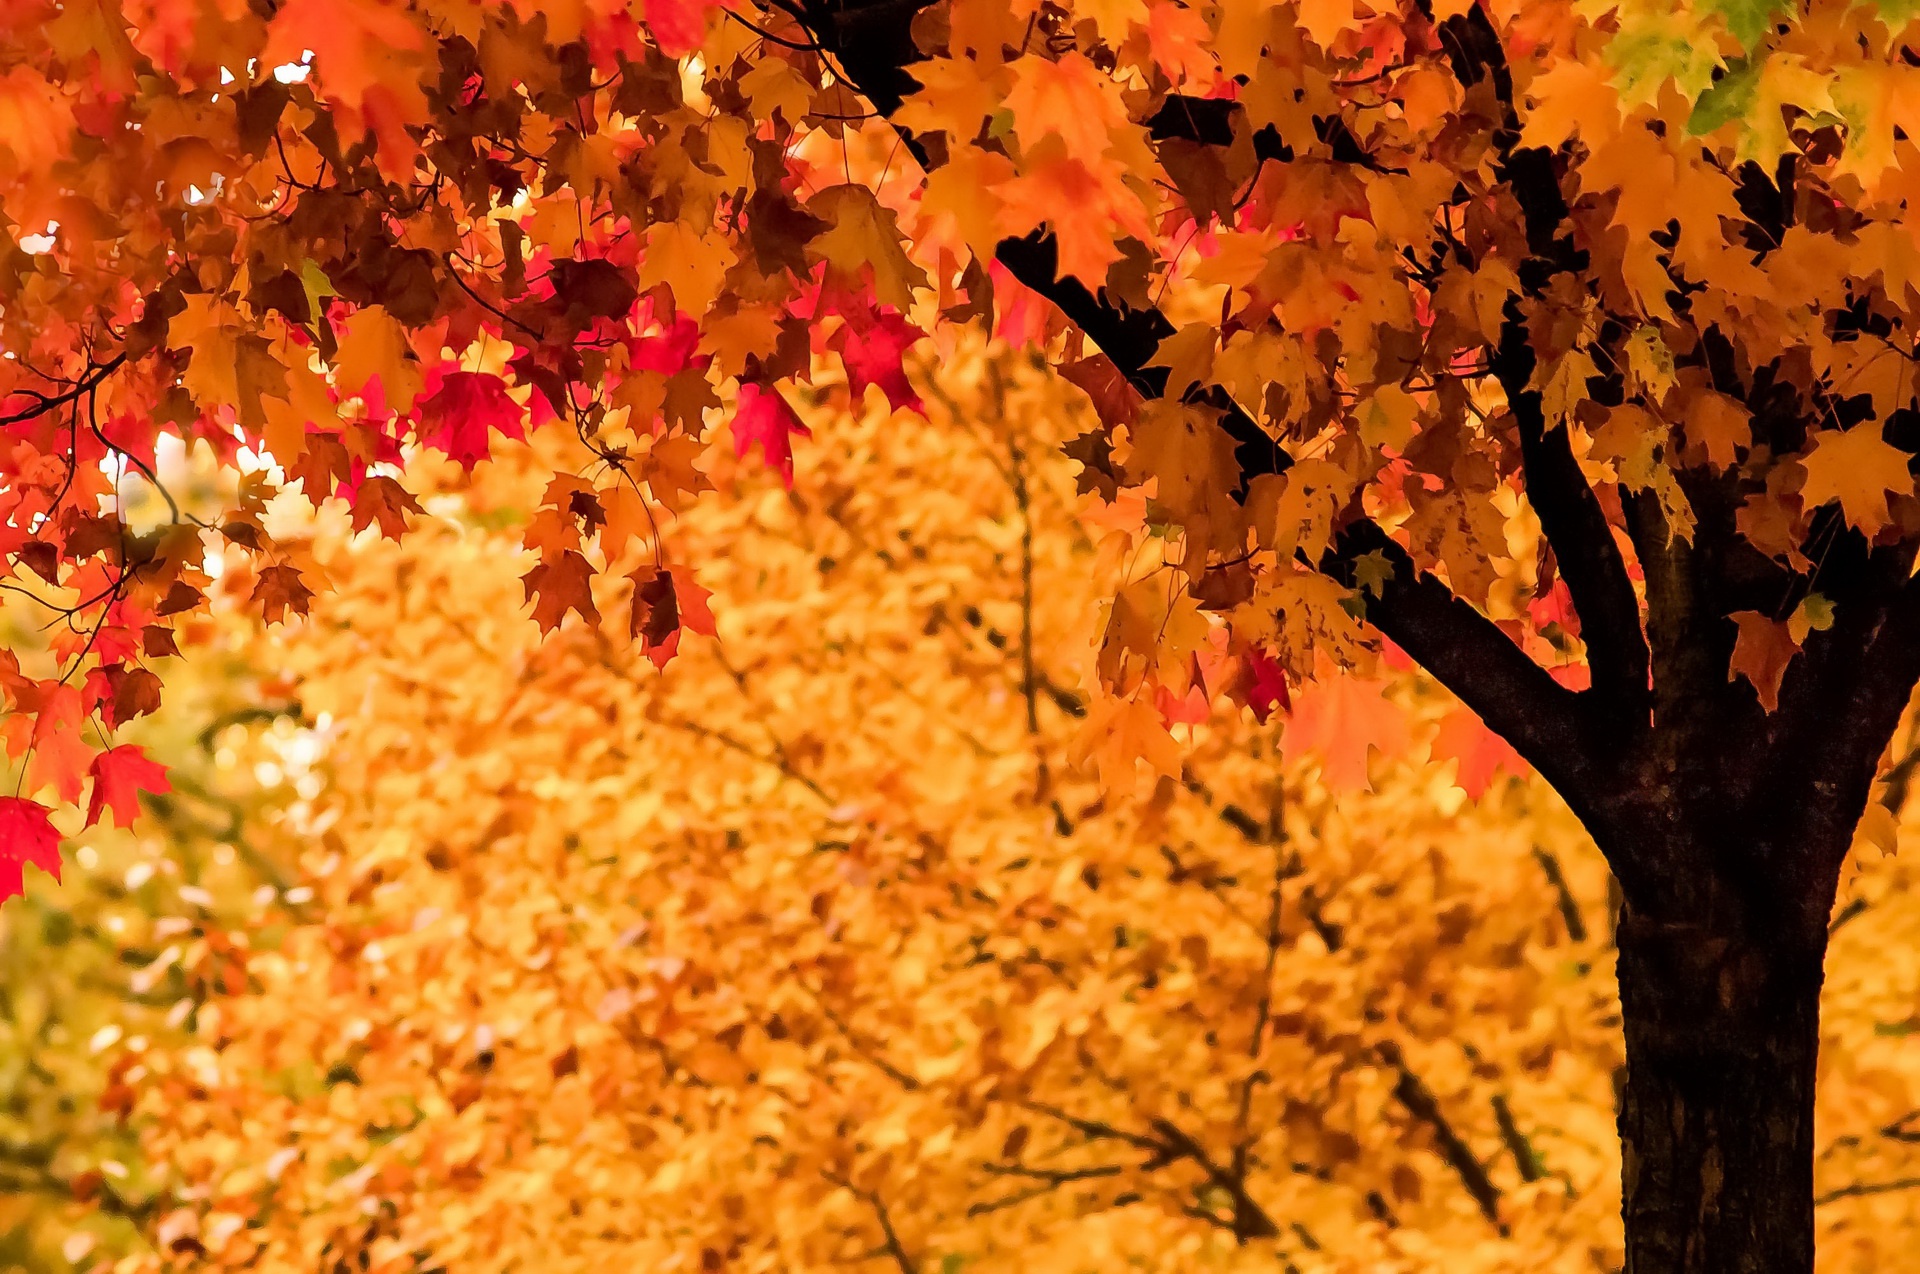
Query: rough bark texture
[1716,1123]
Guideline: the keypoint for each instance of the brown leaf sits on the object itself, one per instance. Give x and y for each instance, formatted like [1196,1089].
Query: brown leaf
[280,590]
[560,583]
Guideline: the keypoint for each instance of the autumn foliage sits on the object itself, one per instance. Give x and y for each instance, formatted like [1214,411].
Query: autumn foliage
[317,238]
[818,947]
[1561,349]
[786,959]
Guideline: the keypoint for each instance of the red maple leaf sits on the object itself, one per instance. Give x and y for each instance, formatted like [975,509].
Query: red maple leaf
[667,602]
[1263,684]
[119,776]
[464,412]
[763,417]
[26,836]
[1480,752]
[381,499]
[1190,708]
[677,25]
[671,350]
[871,345]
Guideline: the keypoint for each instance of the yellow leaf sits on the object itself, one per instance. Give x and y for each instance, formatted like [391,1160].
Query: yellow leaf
[692,264]
[374,344]
[1857,467]
[209,328]
[864,234]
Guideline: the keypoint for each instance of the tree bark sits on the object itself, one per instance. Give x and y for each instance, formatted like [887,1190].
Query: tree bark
[1716,1121]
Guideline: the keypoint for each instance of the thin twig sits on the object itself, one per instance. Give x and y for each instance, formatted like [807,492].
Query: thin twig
[43,403]
[893,1247]
[1525,1157]
[1860,1188]
[1854,909]
[1569,905]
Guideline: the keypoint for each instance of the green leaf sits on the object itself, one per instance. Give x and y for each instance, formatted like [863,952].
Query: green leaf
[1371,571]
[1749,20]
[1651,51]
[317,285]
[1730,98]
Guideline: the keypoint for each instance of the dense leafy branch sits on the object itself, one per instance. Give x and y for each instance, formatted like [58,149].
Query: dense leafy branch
[1465,650]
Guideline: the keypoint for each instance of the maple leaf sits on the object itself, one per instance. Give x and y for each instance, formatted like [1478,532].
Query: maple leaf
[559,583]
[60,755]
[762,418]
[36,119]
[1761,654]
[383,500]
[1463,737]
[354,42]
[1856,467]
[1104,210]
[27,835]
[871,345]
[1719,424]
[592,288]
[677,25]
[120,693]
[778,231]
[120,774]
[1120,733]
[1340,719]
[1114,398]
[669,351]
[1262,684]
[373,358]
[690,263]
[461,416]
[666,602]
[278,591]
[864,236]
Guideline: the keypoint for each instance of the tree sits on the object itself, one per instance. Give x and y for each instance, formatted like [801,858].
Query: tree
[1366,290]
[115,961]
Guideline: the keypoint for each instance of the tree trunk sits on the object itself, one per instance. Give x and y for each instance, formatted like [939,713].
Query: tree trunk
[1722,1024]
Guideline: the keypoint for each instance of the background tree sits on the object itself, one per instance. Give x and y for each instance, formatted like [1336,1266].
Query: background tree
[816,950]
[1368,286]
[117,958]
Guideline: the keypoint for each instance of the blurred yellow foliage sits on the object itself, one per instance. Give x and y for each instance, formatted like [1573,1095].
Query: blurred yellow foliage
[815,950]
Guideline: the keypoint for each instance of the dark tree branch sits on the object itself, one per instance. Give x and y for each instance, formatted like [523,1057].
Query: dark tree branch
[892,1245]
[1045,1182]
[1548,724]
[1838,717]
[1461,647]
[1582,540]
[1686,678]
[1899,1131]
[1525,1157]
[1250,1220]
[1570,513]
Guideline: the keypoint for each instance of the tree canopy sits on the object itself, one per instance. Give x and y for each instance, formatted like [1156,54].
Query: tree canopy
[1566,347]
[1330,269]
